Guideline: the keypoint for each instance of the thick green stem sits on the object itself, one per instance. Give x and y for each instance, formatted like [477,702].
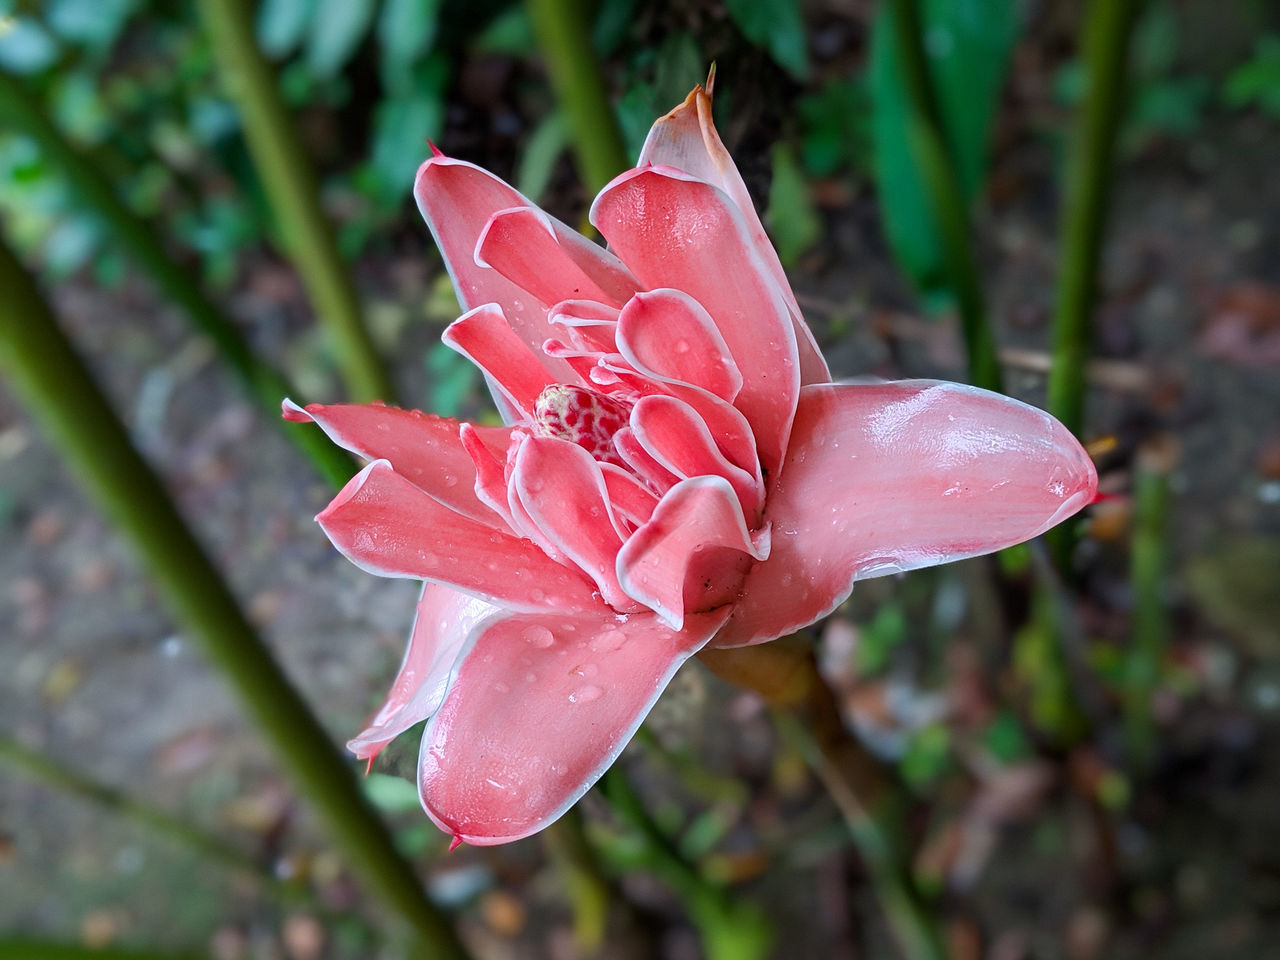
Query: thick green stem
[290,184]
[868,796]
[265,385]
[1148,568]
[1086,197]
[928,140]
[22,948]
[46,373]
[563,34]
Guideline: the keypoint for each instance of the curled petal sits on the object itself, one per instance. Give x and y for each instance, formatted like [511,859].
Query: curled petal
[457,199]
[545,258]
[384,524]
[677,232]
[882,478]
[485,338]
[443,622]
[692,553]
[563,493]
[686,138]
[540,707]
[668,333]
[422,448]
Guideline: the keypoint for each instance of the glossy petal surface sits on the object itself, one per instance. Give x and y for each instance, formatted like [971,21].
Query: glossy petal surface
[384,524]
[444,620]
[540,706]
[882,478]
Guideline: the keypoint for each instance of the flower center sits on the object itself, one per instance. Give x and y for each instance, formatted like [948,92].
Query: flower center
[582,416]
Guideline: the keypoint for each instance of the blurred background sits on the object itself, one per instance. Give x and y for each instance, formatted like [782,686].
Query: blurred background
[1098,782]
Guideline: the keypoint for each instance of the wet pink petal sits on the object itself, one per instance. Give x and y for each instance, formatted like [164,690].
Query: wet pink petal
[700,515]
[457,199]
[485,338]
[384,524]
[545,258]
[444,620]
[540,707]
[673,434]
[686,138]
[681,233]
[422,447]
[563,493]
[668,333]
[631,499]
[887,477]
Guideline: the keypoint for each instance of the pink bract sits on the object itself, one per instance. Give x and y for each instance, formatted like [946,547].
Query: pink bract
[677,470]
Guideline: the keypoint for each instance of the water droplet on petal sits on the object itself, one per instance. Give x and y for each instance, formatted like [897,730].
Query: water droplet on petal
[540,637]
[608,641]
[586,694]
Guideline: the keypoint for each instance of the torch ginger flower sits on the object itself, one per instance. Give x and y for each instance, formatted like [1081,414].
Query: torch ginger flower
[677,470]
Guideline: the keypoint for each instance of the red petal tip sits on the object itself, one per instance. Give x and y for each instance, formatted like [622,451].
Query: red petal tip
[435,151]
[455,843]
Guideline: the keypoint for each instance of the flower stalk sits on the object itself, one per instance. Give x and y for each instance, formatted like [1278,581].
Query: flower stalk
[48,375]
[785,675]
[928,141]
[563,34]
[290,184]
[264,384]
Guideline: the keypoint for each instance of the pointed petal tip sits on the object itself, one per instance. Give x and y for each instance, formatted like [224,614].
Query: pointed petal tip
[709,86]
[435,151]
[294,413]
[455,842]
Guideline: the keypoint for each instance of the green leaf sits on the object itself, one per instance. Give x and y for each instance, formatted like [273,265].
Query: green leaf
[282,24]
[968,44]
[776,26]
[1257,82]
[336,32]
[793,221]
[835,132]
[541,152]
[401,129]
[391,794]
[406,30]
[92,23]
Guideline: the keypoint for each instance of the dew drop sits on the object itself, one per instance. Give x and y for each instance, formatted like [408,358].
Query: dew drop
[586,694]
[608,641]
[682,346]
[501,687]
[540,637]
[530,677]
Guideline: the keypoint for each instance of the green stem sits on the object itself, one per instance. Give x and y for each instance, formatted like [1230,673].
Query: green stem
[868,796]
[50,378]
[265,385]
[290,184]
[1086,197]
[563,35]
[730,929]
[928,141]
[21,948]
[1147,570]
[588,889]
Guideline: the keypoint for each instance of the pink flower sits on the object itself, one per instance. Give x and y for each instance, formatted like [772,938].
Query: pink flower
[676,471]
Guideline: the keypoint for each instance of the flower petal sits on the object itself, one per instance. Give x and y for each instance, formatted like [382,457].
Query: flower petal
[386,525]
[457,199]
[692,554]
[668,333]
[443,622]
[686,138]
[540,707]
[563,493]
[674,435]
[544,257]
[485,338]
[887,477]
[673,231]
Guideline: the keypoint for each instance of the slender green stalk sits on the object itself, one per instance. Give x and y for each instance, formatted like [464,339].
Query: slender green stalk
[50,378]
[730,929]
[928,141]
[1107,27]
[290,184]
[21,948]
[1147,570]
[563,34]
[588,889]
[265,385]
[868,796]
